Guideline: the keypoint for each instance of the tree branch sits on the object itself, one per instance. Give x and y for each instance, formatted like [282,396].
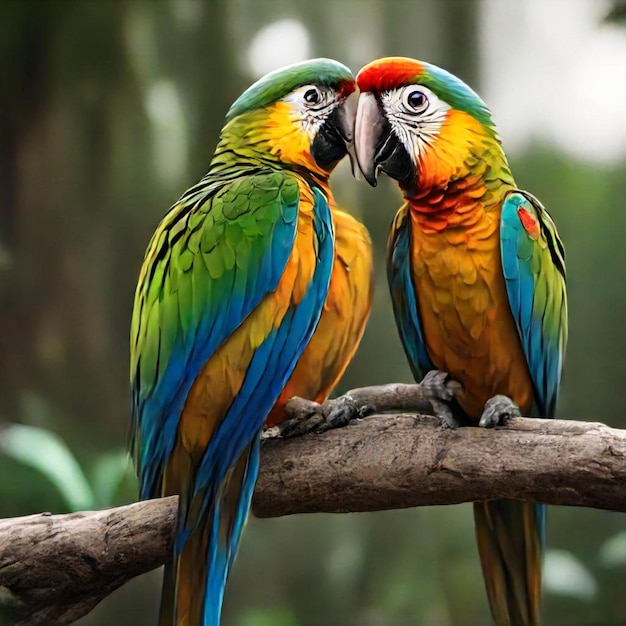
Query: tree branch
[391,462]
[56,568]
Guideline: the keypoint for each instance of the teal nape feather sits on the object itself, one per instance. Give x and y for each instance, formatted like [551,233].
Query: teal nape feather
[456,93]
[277,84]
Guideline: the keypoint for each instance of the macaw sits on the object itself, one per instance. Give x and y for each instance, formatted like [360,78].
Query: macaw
[476,272]
[230,292]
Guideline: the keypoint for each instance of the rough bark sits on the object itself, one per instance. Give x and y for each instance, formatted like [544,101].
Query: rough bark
[56,568]
[390,462]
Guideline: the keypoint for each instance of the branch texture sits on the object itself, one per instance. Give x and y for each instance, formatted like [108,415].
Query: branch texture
[56,568]
[391,462]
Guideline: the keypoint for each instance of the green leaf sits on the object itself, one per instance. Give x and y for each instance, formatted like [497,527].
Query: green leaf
[107,474]
[44,451]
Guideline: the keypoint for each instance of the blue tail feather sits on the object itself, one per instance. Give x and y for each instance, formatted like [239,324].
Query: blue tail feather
[194,581]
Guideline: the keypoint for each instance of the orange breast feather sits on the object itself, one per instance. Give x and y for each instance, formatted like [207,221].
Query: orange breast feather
[464,310]
[343,320]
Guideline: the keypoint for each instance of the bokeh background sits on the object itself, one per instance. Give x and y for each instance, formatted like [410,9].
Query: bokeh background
[110,109]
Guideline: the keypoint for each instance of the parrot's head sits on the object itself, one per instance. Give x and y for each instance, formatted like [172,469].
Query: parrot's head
[301,115]
[419,124]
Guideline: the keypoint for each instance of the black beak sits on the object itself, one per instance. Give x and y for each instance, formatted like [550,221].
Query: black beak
[336,137]
[377,146]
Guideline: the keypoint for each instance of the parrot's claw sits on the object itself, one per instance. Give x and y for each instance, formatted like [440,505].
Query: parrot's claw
[498,411]
[311,417]
[440,386]
[342,410]
[441,391]
[302,424]
[270,433]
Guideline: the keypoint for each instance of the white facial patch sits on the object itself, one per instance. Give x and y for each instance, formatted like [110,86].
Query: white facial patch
[415,128]
[312,105]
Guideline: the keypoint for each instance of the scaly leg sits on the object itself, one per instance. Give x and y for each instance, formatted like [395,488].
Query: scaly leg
[435,395]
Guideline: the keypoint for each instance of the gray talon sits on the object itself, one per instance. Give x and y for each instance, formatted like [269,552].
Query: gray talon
[318,418]
[344,410]
[296,427]
[441,391]
[271,433]
[440,386]
[498,411]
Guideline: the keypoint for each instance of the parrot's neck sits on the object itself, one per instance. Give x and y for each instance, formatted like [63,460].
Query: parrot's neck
[477,186]
[270,140]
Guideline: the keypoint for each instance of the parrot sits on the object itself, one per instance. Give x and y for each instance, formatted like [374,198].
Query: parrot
[476,272]
[230,292]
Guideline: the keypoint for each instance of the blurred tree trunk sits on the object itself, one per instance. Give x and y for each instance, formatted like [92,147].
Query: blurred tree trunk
[23,89]
[74,93]
[69,58]
[443,33]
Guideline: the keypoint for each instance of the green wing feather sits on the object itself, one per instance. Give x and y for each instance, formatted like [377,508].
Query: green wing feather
[533,261]
[213,258]
[511,535]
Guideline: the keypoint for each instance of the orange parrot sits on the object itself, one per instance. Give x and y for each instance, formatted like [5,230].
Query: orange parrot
[477,277]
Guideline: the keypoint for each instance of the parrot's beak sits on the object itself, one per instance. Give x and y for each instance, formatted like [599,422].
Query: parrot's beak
[336,136]
[377,146]
[368,130]
[345,124]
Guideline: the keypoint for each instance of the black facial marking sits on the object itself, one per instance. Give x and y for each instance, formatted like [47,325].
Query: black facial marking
[392,157]
[329,146]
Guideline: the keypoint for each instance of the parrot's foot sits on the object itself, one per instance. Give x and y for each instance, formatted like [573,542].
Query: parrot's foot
[498,411]
[304,416]
[442,390]
[436,394]
[440,386]
[446,415]
[307,416]
[342,410]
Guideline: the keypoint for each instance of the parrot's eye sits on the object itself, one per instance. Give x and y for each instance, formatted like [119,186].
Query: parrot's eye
[415,101]
[312,95]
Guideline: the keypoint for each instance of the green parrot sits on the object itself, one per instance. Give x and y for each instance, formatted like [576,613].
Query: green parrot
[231,289]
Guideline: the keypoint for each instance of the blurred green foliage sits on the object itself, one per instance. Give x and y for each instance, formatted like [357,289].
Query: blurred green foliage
[43,451]
[109,111]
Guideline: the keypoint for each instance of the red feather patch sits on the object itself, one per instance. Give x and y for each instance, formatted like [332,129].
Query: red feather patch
[529,222]
[388,73]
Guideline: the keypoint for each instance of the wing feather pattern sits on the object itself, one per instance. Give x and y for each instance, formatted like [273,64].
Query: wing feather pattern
[533,261]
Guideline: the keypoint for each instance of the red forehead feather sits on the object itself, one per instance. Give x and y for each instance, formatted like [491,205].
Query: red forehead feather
[388,73]
[346,88]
